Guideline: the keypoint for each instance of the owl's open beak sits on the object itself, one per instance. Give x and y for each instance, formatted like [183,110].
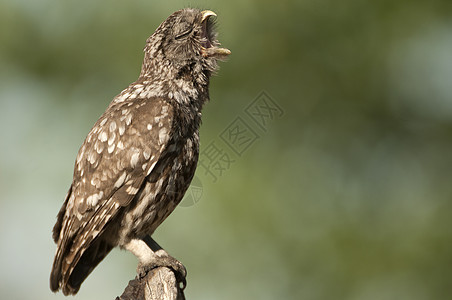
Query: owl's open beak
[210,46]
[206,14]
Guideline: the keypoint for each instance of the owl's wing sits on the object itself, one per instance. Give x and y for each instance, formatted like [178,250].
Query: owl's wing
[123,148]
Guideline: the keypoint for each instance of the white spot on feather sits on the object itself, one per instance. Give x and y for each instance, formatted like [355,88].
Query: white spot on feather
[112,138]
[112,126]
[99,147]
[120,180]
[121,129]
[134,159]
[150,169]
[103,136]
[162,135]
[92,200]
[91,157]
[128,119]
[132,190]
[138,88]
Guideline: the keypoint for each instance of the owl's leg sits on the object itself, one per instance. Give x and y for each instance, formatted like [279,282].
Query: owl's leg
[151,256]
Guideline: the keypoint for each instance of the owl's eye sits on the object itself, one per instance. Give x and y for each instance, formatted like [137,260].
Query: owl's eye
[183,34]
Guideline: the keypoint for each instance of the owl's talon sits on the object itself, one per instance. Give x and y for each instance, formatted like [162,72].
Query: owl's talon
[165,261]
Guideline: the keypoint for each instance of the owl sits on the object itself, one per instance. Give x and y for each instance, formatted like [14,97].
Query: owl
[138,160]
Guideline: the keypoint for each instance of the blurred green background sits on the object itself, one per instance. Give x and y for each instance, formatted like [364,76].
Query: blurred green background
[345,195]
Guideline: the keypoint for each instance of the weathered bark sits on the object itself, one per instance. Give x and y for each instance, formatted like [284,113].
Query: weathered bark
[158,284]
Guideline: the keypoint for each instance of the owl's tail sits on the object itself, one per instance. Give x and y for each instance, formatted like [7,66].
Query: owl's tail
[80,248]
[61,241]
[74,259]
[69,278]
[55,274]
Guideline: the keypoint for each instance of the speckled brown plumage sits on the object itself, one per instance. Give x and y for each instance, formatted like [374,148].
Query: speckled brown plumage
[139,158]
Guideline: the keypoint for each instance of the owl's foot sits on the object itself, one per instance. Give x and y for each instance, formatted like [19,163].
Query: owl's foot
[152,256]
[163,259]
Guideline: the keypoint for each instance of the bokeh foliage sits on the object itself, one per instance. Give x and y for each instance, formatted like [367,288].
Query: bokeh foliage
[346,196]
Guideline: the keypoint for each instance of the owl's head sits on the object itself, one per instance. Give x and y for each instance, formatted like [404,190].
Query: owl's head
[186,37]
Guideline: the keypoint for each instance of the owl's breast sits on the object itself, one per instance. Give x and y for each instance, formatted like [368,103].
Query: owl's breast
[162,190]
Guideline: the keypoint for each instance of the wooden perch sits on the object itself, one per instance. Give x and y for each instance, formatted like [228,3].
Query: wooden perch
[158,284]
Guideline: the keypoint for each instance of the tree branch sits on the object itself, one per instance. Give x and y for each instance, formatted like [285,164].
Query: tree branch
[158,284]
